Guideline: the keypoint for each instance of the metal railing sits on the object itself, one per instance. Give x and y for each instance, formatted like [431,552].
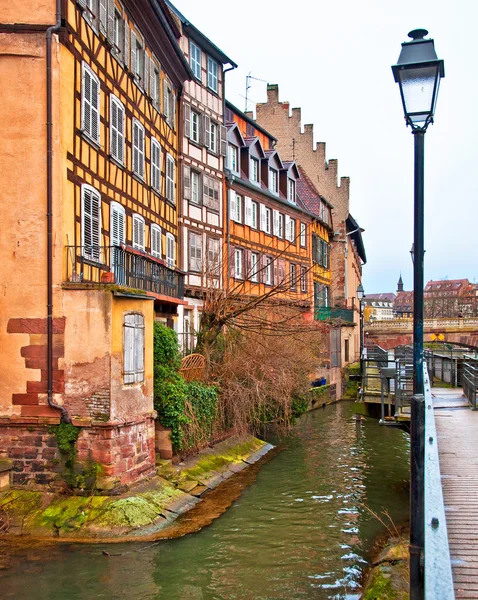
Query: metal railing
[324,313]
[123,266]
[438,574]
[470,379]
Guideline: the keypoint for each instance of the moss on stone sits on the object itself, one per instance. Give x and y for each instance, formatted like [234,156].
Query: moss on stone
[70,513]
[380,587]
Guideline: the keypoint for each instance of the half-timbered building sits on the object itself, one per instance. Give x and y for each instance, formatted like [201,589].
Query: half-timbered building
[91,254]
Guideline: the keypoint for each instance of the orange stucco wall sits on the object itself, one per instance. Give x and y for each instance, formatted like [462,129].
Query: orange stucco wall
[31,12]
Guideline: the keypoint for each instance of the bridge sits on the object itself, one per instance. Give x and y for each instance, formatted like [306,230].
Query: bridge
[450,464]
[399,332]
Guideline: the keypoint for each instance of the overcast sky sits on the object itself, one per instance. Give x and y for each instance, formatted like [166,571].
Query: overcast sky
[333,60]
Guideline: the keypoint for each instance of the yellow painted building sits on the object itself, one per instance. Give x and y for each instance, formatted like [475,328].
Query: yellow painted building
[88,260]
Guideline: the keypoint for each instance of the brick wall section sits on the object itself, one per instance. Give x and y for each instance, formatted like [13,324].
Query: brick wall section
[126,450]
[293,144]
[33,400]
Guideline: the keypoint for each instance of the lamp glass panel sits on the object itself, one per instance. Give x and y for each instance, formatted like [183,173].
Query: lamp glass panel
[418,85]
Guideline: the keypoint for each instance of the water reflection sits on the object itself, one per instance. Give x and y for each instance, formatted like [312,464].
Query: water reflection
[299,531]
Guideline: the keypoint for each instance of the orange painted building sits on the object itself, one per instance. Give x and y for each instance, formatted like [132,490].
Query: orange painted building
[90,158]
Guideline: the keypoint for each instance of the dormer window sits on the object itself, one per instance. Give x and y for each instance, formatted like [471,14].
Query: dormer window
[291,190]
[273,181]
[254,170]
[232,157]
[195,60]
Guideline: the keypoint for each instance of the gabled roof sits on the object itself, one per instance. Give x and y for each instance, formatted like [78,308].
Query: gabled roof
[193,32]
[270,154]
[234,129]
[291,164]
[254,141]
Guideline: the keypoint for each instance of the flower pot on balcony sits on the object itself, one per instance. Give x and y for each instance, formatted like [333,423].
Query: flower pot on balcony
[108,277]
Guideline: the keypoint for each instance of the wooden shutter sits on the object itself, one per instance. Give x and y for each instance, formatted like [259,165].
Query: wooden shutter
[153,92]
[247,211]
[275,223]
[282,265]
[91,226]
[288,228]
[117,233]
[126,43]
[186,182]
[128,349]
[90,104]
[82,3]
[262,217]
[187,120]
[261,268]
[223,140]
[133,52]
[147,66]
[172,111]
[165,98]
[103,16]
[156,241]
[232,262]
[110,28]
[314,248]
[139,348]
[155,164]
[206,130]
[135,147]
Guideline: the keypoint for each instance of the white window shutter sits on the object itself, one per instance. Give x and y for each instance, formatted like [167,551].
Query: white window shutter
[91,222]
[152,80]
[275,222]
[187,120]
[135,147]
[133,53]
[248,211]
[128,349]
[147,66]
[223,140]
[126,43]
[82,3]
[173,111]
[103,16]
[117,233]
[156,241]
[232,204]
[165,98]
[186,182]
[262,217]
[207,130]
[139,349]
[110,28]
[287,228]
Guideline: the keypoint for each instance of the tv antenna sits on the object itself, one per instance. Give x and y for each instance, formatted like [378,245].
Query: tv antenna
[248,86]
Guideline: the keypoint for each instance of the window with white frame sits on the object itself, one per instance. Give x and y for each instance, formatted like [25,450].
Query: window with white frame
[268,220]
[280,227]
[254,267]
[156,240]
[169,101]
[210,194]
[291,190]
[213,137]
[236,207]
[303,234]
[254,170]
[293,276]
[269,280]
[170,195]
[253,214]
[273,181]
[303,279]
[232,158]
[195,252]
[195,187]
[138,149]
[133,348]
[155,165]
[138,232]
[195,126]
[90,222]
[212,74]
[292,230]
[116,129]
[170,250]
[238,271]
[90,104]
[195,60]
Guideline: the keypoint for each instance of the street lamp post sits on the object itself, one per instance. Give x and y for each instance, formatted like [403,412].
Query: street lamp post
[360,297]
[418,73]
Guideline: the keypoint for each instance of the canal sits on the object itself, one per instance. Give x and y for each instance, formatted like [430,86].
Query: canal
[303,529]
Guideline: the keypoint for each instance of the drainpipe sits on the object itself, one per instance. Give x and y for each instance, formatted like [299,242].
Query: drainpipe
[49,135]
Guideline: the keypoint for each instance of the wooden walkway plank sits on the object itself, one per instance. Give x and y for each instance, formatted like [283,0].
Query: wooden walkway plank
[457,434]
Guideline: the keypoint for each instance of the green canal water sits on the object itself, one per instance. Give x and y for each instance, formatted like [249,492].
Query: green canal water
[302,529]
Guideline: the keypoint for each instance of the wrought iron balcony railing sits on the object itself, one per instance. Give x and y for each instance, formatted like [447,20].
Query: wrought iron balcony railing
[123,266]
[325,313]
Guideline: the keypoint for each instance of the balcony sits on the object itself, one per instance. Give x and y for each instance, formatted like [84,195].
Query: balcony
[327,313]
[123,266]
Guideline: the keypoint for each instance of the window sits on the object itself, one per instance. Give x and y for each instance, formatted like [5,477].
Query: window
[91,12]
[303,234]
[154,83]
[90,105]
[133,348]
[195,60]
[138,232]
[254,267]
[212,72]
[155,165]
[321,295]
[303,279]
[195,187]
[194,126]
[170,178]
[137,58]
[90,222]
[289,229]
[138,149]
[253,214]
[236,207]
[280,226]
[117,237]
[267,227]
[117,129]
[210,195]
[156,240]
[238,264]
[269,271]
[213,253]
[293,276]
[291,190]
[170,251]
[273,181]
[254,170]
[232,158]
[195,252]
[118,34]
[169,103]
[213,141]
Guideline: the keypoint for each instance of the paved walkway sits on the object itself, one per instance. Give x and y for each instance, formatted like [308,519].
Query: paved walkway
[457,433]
